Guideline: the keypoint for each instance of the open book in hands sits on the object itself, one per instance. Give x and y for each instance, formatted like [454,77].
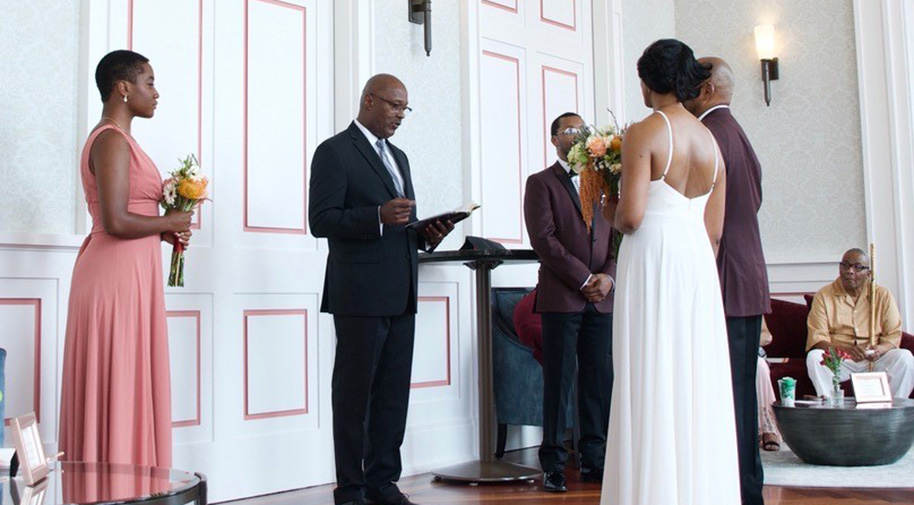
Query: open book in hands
[454,216]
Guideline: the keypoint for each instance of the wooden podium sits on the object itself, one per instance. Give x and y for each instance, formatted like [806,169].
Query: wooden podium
[487,469]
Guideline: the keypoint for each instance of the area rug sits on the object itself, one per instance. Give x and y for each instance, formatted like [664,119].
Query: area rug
[784,468]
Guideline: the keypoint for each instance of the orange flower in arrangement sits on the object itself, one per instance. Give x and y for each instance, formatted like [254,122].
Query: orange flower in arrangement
[193,189]
[616,144]
[184,190]
[596,146]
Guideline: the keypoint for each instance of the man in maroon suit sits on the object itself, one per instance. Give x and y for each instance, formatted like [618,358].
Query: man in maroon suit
[740,264]
[575,301]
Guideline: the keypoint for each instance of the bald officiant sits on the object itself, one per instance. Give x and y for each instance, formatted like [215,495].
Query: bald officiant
[361,198]
[740,264]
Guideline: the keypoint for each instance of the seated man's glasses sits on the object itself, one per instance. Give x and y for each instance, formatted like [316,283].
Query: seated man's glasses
[570,131]
[856,266]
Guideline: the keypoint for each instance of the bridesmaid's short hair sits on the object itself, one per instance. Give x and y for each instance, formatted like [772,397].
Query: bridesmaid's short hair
[121,65]
[669,66]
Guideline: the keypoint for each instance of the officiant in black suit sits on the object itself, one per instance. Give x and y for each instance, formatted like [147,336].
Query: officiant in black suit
[361,196]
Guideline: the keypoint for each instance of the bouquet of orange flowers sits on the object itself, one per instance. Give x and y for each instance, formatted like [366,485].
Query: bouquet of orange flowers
[596,156]
[184,190]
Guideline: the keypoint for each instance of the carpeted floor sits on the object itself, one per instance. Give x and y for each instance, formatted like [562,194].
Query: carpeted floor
[784,468]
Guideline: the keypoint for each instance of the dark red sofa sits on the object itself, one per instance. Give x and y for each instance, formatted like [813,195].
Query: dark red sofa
[787,324]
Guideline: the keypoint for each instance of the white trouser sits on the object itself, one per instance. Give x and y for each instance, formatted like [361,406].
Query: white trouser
[897,363]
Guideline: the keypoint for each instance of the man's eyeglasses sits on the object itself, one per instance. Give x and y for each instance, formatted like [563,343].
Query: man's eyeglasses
[856,266]
[396,107]
[569,131]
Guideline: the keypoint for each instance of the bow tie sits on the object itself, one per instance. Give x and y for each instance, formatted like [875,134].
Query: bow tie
[572,174]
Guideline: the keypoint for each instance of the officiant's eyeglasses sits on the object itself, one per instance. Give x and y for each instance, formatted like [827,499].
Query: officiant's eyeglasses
[396,107]
[856,266]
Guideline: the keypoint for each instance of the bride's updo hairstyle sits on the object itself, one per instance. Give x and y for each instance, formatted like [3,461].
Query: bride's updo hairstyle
[669,66]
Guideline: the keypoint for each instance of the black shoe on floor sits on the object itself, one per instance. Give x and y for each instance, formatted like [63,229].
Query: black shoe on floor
[394,497]
[592,475]
[554,481]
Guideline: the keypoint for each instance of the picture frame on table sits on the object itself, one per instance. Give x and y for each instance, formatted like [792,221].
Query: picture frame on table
[32,460]
[23,494]
[871,388]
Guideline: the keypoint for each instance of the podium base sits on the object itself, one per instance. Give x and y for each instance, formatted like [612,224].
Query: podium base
[486,471]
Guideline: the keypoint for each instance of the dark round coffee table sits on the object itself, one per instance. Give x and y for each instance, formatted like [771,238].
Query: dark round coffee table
[76,483]
[847,435]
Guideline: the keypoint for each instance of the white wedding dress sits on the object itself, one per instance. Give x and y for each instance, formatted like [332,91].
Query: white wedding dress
[672,434]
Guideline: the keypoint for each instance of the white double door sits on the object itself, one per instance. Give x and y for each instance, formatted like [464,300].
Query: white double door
[245,86]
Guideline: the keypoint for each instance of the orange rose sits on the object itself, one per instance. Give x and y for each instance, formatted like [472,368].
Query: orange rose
[193,189]
[616,144]
[596,146]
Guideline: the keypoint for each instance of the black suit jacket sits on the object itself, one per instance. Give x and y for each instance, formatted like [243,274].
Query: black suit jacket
[368,274]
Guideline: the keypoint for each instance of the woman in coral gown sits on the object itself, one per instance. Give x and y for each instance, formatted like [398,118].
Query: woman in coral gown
[116,395]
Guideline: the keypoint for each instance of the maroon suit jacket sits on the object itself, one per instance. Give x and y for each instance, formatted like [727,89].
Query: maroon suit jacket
[740,262]
[568,254]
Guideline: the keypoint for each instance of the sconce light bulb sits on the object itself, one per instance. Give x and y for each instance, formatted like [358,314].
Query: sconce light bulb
[764,42]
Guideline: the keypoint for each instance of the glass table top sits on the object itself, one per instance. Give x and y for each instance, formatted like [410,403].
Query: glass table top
[96,483]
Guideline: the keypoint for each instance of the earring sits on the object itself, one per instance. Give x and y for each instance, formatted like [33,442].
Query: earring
[125,98]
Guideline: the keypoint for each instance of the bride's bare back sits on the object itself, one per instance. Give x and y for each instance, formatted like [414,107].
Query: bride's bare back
[645,153]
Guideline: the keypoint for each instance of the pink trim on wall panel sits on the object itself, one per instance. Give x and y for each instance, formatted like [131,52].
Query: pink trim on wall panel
[198,223]
[248,416]
[501,5]
[36,303]
[547,122]
[574,17]
[130,25]
[447,315]
[196,315]
[520,219]
[268,229]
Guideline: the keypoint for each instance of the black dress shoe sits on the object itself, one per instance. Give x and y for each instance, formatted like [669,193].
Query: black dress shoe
[592,475]
[554,481]
[393,498]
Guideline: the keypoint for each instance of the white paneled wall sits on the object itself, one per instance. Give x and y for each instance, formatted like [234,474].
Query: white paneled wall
[535,61]
[252,87]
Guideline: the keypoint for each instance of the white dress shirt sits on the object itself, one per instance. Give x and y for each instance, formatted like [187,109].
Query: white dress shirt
[372,139]
[712,109]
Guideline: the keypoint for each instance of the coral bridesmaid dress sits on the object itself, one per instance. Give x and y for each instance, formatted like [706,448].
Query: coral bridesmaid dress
[116,395]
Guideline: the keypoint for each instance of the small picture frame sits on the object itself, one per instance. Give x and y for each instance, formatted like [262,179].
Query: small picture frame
[28,495]
[26,440]
[871,387]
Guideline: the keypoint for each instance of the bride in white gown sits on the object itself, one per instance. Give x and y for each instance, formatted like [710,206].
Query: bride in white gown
[672,435]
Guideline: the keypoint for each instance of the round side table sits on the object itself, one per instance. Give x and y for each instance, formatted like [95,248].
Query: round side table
[847,435]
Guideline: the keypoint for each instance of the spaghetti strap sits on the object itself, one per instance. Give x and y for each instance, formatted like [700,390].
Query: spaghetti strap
[669,129]
[716,158]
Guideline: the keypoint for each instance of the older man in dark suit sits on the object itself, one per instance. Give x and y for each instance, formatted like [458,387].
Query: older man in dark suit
[575,301]
[740,263]
[360,199]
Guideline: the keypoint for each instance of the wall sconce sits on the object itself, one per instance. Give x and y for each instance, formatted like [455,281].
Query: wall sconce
[420,12]
[764,45]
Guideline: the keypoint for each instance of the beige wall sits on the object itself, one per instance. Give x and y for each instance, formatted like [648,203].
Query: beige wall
[808,140]
[39,57]
[643,22]
[431,135]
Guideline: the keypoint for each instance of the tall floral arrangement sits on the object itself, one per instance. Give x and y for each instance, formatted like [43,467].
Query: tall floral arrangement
[596,156]
[184,190]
